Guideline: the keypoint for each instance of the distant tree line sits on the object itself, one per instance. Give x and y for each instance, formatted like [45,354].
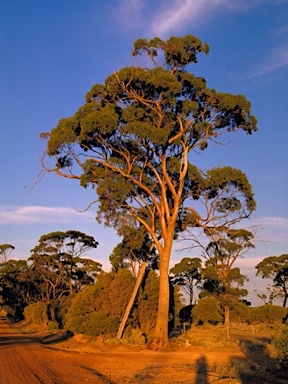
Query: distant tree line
[59,287]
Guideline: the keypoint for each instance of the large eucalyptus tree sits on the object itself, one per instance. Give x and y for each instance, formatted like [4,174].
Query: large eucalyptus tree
[131,141]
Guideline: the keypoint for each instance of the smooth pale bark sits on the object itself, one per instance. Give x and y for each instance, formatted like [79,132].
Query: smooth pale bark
[132,298]
[161,332]
[227,320]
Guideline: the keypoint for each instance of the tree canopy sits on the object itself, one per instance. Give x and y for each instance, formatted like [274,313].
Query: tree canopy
[131,139]
[5,250]
[221,278]
[187,274]
[276,268]
[58,263]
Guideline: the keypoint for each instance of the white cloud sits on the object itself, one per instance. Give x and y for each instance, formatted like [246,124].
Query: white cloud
[277,58]
[172,16]
[164,17]
[38,214]
[177,15]
[272,222]
[129,13]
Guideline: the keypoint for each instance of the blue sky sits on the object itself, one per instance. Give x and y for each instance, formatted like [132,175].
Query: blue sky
[52,52]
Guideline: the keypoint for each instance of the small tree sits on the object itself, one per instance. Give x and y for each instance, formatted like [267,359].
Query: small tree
[222,279]
[5,250]
[98,309]
[18,286]
[276,268]
[187,275]
[147,303]
[280,344]
[58,262]
[136,252]
[207,310]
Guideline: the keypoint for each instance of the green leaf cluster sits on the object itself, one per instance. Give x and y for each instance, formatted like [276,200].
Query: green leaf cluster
[276,268]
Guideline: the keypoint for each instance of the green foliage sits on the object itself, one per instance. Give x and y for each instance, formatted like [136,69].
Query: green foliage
[178,51]
[280,344]
[93,324]
[36,314]
[187,275]
[134,336]
[207,310]
[269,314]
[98,309]
[5,250]
[60,308]
[135,247]
[276,268]
[147,303]
[18,287]
[221,278]
[141,116]
[52,325]
[58,265]
[241,313]
[266,314]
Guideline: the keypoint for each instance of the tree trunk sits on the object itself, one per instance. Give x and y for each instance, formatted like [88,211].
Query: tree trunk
[285,300]
[161,332]
[227,321]
[132,298]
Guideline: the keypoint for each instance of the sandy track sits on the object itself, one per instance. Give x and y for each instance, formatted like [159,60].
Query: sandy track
[24,359]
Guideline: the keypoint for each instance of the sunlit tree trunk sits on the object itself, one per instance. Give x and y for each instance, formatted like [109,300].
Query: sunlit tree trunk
[161,332]
[227,320]
[140,276]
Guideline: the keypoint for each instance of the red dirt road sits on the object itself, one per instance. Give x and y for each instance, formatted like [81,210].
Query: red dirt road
[25,359]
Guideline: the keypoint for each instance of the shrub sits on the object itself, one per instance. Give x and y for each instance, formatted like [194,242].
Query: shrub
[52,325]
[268,314]
[241,313]
[207,310]
[60,307]
[93,324]
[36,314]
[134,336]
[98,309]
[148,303]
[280,344]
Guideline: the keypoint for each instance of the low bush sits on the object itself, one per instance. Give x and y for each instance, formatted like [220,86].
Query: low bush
[241,313]
[280,343]
[134,336]
[268,314]
[36,314]
[93,324]
[207,310]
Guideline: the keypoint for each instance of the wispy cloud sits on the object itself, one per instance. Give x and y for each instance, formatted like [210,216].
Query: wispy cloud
[272,222]
[275,59]
[130,13]
[38,214]
[173,16]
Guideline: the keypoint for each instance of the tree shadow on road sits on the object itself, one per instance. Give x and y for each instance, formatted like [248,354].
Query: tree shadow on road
[8,339]
[258,366]
[56,337]
[201,371]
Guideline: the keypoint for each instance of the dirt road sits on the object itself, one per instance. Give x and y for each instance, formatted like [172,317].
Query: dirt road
[25,359]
